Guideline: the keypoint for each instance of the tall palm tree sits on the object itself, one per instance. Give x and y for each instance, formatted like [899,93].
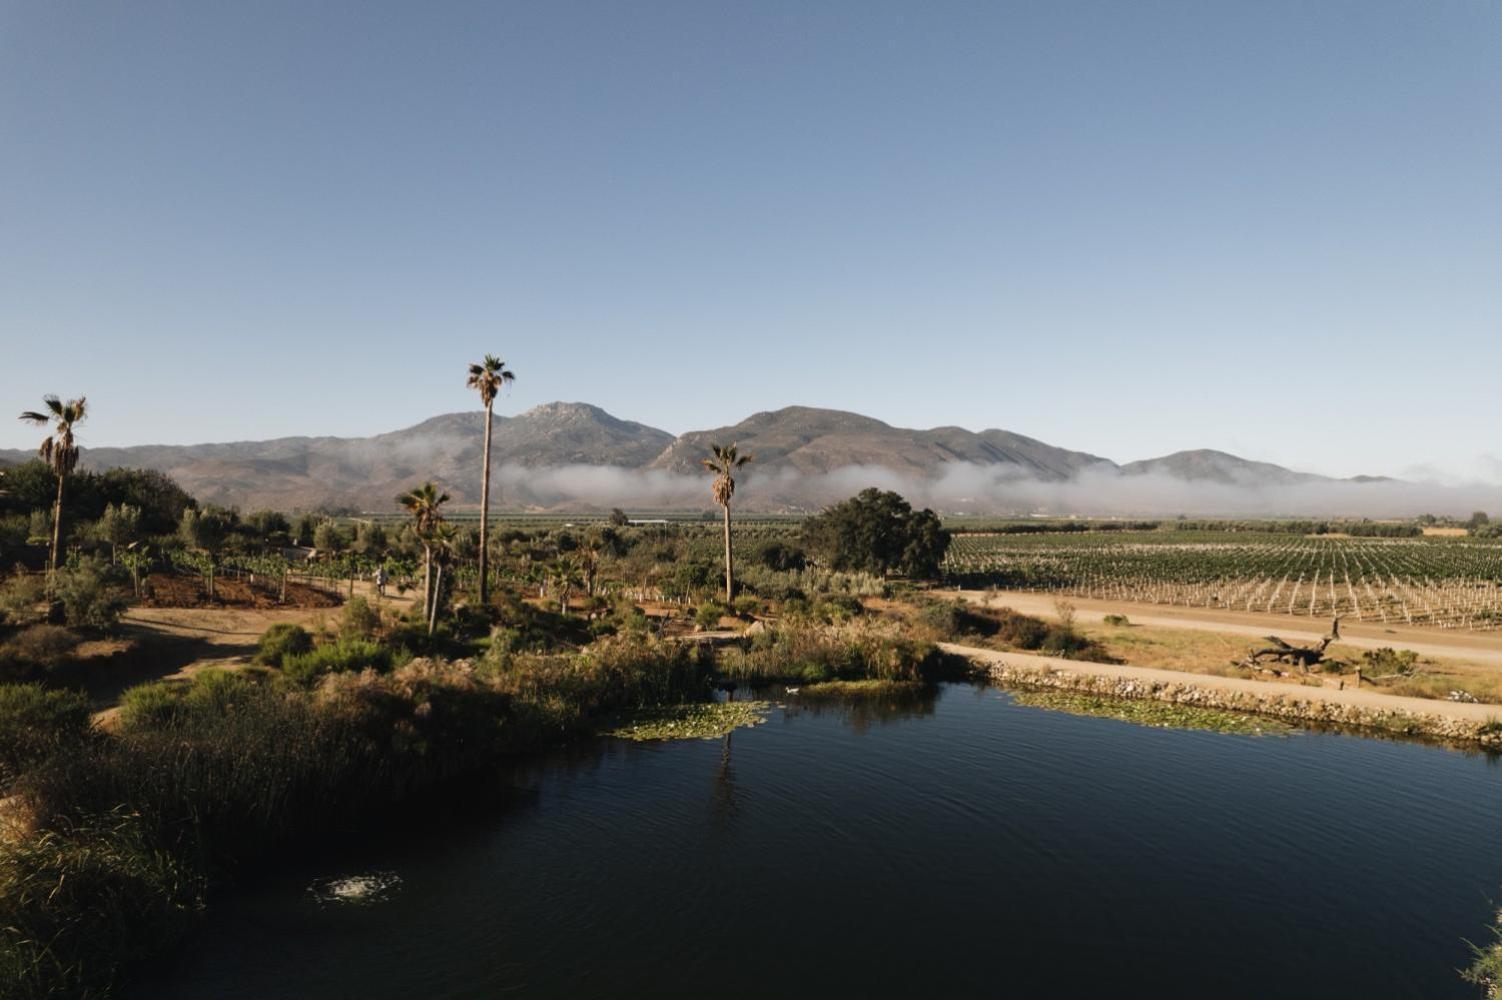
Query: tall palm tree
[723,462]
[487,377]
[59,451]
[425,504]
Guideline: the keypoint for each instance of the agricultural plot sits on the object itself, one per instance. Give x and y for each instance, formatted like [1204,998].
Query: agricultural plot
[1445,582]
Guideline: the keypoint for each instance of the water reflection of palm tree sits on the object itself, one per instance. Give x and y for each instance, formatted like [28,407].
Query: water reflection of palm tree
[722,801]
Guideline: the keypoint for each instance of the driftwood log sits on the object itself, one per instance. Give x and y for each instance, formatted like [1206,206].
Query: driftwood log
[1302,657]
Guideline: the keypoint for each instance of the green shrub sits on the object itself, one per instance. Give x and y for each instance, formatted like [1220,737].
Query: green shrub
[1020,630]
[1067,643]
[360,620]
[630,619]
[21,595]
[778,556]
[335,657]
[944,618]
[707,615]
[34,722]
[161,704]
[219,690]
[280,641]
[150,706]
[14,530]
[746,605]
[92,592]
[836,608]
[1388,662]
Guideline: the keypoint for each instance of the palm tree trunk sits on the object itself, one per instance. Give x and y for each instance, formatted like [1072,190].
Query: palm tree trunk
[57,523]
[485,513]
[427,581]
[437,595]
[729,574]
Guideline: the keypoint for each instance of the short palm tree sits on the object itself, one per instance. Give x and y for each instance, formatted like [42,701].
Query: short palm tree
[723,462]
[59,451]
[566,576]
[446,545]
[425,505]
[487,377]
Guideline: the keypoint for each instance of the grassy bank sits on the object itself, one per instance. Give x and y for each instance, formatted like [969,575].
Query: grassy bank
[120,836]
[125,831]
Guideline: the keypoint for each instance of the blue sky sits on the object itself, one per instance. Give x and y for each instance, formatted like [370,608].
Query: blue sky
[1273,228]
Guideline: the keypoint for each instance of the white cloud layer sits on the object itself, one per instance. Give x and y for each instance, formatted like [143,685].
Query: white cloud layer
[998,490]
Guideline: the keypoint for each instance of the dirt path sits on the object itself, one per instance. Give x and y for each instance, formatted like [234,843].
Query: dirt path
[1475,647]
[1349,696]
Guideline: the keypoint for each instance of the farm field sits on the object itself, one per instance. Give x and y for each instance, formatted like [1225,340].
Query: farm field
[1451,583]
[1212,641]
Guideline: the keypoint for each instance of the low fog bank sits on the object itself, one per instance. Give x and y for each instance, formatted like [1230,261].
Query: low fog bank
[997,489]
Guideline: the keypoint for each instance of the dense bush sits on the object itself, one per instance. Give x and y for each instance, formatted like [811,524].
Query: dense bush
[779,556]
[35,721]
[707,615]
[360,619]
[20,595]
[811,653]
[1017,629]
[280,641]
[957,620]
[32,486]
[150,706]
[92,592]
[336,657]
[877,532]
[15,529]
[36,650]
[1388,661]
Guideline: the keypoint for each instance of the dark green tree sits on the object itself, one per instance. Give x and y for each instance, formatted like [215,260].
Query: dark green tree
[877,531]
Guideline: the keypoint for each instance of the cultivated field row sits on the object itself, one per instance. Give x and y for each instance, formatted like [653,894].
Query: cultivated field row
[1448,583]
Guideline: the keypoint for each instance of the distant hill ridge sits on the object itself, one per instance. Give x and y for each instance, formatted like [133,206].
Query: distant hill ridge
[368,472]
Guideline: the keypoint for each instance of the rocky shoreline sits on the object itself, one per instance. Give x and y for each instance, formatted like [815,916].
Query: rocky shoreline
[1313,709]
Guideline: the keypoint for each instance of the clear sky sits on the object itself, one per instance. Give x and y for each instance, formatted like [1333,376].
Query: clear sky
[1269,227]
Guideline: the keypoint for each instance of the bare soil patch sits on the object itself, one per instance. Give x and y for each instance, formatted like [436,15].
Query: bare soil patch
[167,590]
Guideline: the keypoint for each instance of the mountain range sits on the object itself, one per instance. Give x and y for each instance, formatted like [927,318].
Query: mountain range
[570,455]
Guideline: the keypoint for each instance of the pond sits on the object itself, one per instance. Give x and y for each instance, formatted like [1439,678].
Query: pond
[953,846]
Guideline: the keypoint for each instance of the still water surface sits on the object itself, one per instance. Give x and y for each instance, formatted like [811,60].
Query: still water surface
[962,846]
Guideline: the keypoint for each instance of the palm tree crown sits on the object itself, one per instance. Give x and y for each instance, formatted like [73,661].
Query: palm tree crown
[488,376]
[425,505]
[59,450]
[724,460]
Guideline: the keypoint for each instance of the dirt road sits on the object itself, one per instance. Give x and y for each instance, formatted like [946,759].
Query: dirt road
[1474,647]
[1262,689]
